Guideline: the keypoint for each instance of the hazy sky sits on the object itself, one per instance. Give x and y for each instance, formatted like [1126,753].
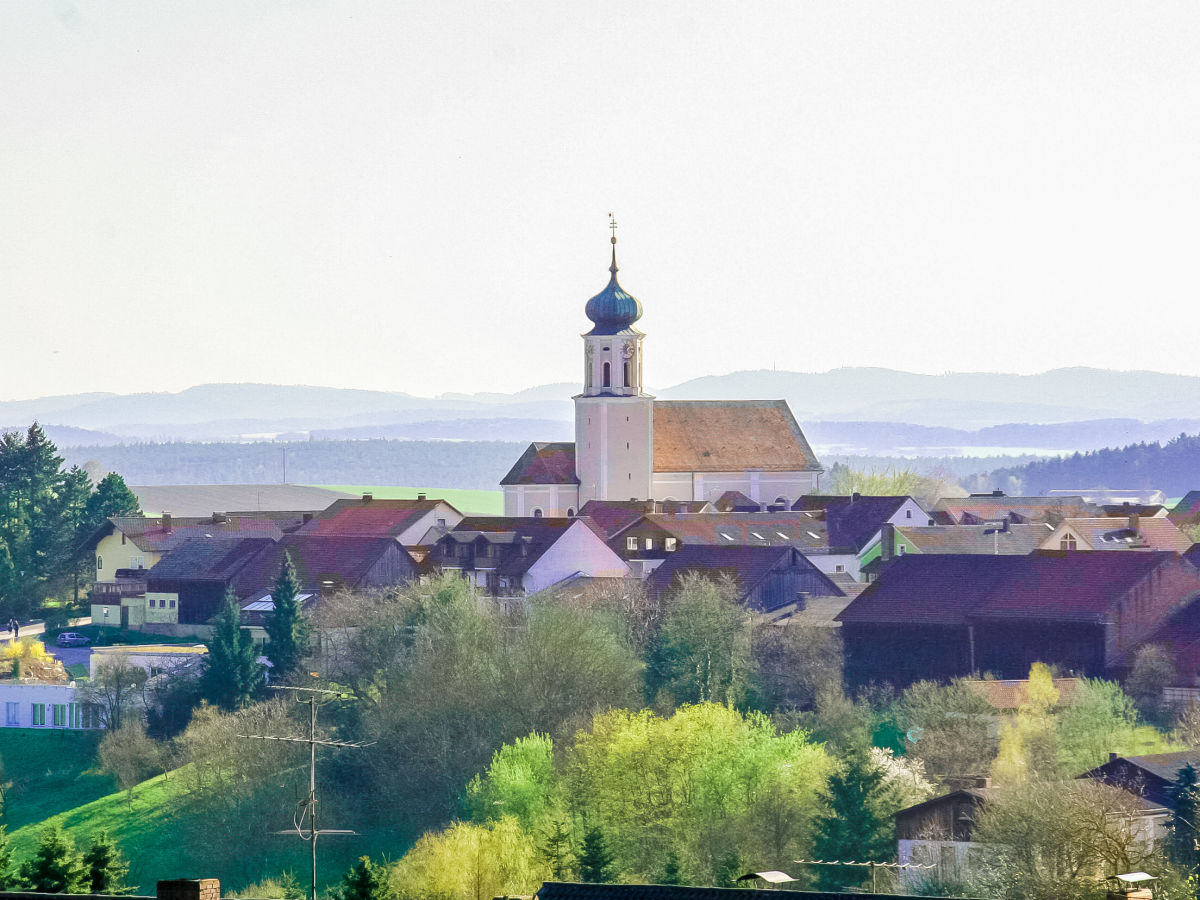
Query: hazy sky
[414,196]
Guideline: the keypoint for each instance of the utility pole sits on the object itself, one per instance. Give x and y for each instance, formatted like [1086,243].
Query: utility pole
[304,821]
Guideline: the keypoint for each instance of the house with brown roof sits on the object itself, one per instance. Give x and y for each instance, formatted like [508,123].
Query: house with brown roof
[942,616]
[512,557]
[980,508]
[1132,532]
[405,520]
[628,445]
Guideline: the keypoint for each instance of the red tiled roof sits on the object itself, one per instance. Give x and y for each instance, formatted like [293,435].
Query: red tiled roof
[796,529]
[152,535]
[370,517]
[1114,533]
[729,436]
[544,463]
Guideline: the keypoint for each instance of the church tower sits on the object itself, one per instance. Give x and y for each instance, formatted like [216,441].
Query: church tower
[614,417]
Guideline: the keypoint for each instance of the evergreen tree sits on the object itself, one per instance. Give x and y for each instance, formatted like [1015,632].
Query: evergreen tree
[106,865]
[556,851]
[1182,844]
[287,629]
[596,864]
[365,881]
[8,872]
[112,497]
[233,674]
[730,868]
[857,825]
[672,873]
[56,866]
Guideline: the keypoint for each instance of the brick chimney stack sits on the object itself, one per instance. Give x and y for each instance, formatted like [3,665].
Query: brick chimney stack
[189,889]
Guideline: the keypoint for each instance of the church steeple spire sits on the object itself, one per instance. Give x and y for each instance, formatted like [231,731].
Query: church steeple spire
[613,310]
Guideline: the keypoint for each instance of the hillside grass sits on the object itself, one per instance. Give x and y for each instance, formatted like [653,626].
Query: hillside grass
[472,503]
[164,834]
[49,771]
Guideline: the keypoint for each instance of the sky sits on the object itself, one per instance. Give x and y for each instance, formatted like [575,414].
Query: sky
[415,196]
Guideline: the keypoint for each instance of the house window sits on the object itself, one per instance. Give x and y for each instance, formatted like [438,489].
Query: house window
[781,501]
[839,569]
[12,713]
[669,545]
[75,718]
[122,539]
[631,543]
[908,514]
[37,714]
[172,604]
[649,543]
[91,716]
[537,513]
[60,715]
[99,562]
[570,512]
[899,549]
[137,562]
[1067,543]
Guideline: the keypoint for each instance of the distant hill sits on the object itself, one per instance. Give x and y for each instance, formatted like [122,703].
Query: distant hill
[1172,467]
[68,436]
[967,400]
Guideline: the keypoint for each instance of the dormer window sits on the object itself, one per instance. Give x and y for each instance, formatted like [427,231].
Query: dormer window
[631,543]
[669,545]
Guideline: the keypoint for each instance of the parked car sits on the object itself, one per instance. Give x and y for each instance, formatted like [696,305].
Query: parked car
[73,639]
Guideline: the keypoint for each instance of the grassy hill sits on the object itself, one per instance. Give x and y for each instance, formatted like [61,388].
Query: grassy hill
[48,772]
[167,835]
[472,503]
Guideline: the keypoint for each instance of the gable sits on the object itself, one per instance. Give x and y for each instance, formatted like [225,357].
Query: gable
[729,436]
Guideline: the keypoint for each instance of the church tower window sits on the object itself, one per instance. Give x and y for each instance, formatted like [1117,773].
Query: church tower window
[626,367]
[607,375]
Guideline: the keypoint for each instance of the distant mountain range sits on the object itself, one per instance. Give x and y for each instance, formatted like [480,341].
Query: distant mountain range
[843,411]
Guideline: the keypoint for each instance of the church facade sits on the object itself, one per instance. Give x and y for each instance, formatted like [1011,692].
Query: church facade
[630,446]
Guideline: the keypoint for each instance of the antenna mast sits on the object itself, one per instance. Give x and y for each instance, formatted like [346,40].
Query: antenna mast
[304,821]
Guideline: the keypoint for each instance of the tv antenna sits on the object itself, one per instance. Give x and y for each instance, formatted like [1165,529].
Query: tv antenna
[304,820]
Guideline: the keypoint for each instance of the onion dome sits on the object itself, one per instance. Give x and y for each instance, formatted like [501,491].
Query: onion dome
[613,311]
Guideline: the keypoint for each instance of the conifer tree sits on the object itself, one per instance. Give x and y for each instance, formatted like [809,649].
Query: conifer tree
[596,865]
[365,881]
[233,674]
[287,629]
[672,873]
[556,851]
[8,872]
[56,866]
[857,826]
[106,865]
[1183,837]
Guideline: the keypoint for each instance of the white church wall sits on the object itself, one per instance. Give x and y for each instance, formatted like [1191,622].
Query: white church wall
[579,550]
[763,487]
[554,500]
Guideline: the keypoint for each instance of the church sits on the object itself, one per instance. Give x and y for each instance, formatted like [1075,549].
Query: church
[629,446]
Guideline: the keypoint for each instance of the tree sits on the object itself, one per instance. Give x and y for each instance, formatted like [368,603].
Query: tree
[556,851]
[56,866]
[466,861]
[1152,671]
[287,629]
[115,689]
[364,881]
[8,871]
[948,728]
[596,862]
[112,497]
[672,873]
[129,755]
[703,649]
[520,782]
[793,663]
[857,823]
[106,866]
[1183,845]
[233,674]
[1028,741]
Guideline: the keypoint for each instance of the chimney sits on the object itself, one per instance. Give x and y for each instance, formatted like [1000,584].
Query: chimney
[189,889]
[997,493]
[421,495]
[802,600]
[887,541]
[1112,757]
[855,496]
[1135,522]
[649,506]
[367,498]
[166,521]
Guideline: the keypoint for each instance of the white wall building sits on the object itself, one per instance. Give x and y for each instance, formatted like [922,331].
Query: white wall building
[630,446]
[38,705]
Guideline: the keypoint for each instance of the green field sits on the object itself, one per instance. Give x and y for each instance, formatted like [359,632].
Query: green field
[164,835]
[472,503]
[49,772]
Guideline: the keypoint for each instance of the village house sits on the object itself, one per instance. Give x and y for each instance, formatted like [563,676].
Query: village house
[630,445]
[776,581]
[996,505]
[946,615]
[513,557]
[1131,532]
[407,521]
[992,538]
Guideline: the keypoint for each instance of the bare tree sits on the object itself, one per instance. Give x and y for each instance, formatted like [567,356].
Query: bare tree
[115,689]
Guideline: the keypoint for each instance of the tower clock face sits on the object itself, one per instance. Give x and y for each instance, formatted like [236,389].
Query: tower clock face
[626,351]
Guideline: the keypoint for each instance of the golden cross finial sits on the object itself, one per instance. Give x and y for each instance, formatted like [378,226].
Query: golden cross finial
[612,224]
